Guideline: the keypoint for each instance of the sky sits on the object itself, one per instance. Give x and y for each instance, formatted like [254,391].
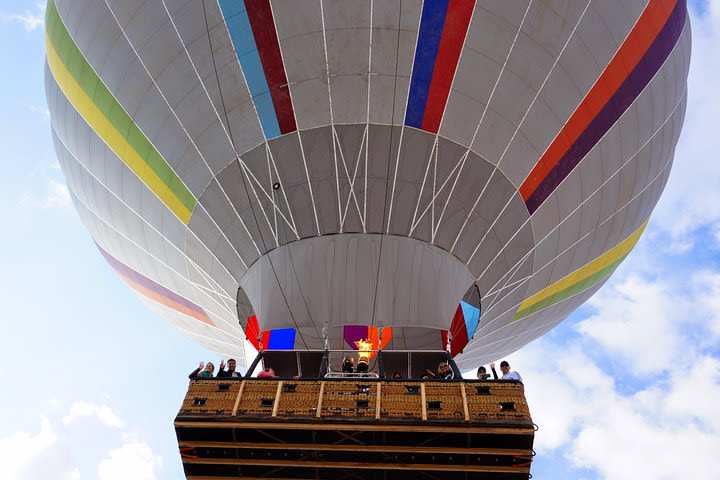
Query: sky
[626,388]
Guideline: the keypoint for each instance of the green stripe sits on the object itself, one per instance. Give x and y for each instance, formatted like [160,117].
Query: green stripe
[588,282]
[88,80]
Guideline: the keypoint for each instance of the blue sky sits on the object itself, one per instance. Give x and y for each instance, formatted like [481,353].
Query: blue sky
[627,387]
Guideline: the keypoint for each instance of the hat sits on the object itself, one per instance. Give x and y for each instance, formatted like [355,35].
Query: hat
[504,364]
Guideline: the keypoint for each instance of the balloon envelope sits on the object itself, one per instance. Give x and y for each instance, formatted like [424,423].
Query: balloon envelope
[412,174]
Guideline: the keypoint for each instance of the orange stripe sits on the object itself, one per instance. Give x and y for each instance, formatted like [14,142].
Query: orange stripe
[644,32]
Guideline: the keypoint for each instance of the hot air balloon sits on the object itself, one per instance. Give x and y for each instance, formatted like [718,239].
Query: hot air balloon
[431,175]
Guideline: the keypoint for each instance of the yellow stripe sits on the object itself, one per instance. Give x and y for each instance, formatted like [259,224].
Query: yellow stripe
[607,258]
[114,139]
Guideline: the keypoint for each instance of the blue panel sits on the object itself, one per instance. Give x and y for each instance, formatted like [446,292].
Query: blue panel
[472,317]
[282,339]
[238,24]
[431,26]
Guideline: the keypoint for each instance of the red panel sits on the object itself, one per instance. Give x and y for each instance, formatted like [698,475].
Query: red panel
[252,331]
[457,20]
[459,332]
[263,27]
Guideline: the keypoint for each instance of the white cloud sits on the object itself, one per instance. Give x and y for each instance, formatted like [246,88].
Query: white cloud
[638,323]
[660,332]
[25,456]
[30,21]
[133,459]
[42,111]
[58,195]
[692,200]
[102,413]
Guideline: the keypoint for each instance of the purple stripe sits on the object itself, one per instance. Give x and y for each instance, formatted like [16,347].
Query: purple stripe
[621,100]
[141,279]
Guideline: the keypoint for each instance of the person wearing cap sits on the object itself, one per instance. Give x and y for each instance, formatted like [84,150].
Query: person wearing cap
[482,373]
[507,374]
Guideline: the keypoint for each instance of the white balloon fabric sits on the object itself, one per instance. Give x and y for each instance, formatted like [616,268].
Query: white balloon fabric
[302,174]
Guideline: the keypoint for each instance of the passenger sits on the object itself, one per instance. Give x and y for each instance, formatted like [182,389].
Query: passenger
[348,364]
[444,371]
[267,373]
[396,375]
[230,371]
[482,373]
[507,374]
[200,373]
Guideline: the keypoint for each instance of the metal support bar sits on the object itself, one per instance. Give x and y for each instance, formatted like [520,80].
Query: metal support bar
[253,365]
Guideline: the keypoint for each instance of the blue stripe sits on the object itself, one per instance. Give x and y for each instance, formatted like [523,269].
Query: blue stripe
[472,317]
[431,27]
[238,25]
[282,339]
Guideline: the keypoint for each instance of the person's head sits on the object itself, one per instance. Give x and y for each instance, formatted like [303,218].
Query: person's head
[396,375]
[208,370]
[270,371]
[443,369]
[482,373]
[231,365]
[504,367]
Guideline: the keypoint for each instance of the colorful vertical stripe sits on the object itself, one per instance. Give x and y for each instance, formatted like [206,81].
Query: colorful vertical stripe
[581,279]
[102,112]
[252,29]
[252,332]
[443,27]
[632,68]
[154,291]
[278,339]
[366,333]
[463,326]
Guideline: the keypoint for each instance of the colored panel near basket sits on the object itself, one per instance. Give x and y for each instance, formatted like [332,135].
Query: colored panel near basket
[278,339]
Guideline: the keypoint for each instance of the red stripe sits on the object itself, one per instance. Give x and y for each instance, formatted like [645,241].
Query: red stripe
[252,331]
[457,21]
[263,27]
[643,34]
[168,302]
[265,340]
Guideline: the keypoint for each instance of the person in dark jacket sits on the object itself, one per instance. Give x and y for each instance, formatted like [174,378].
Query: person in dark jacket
[231,364]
